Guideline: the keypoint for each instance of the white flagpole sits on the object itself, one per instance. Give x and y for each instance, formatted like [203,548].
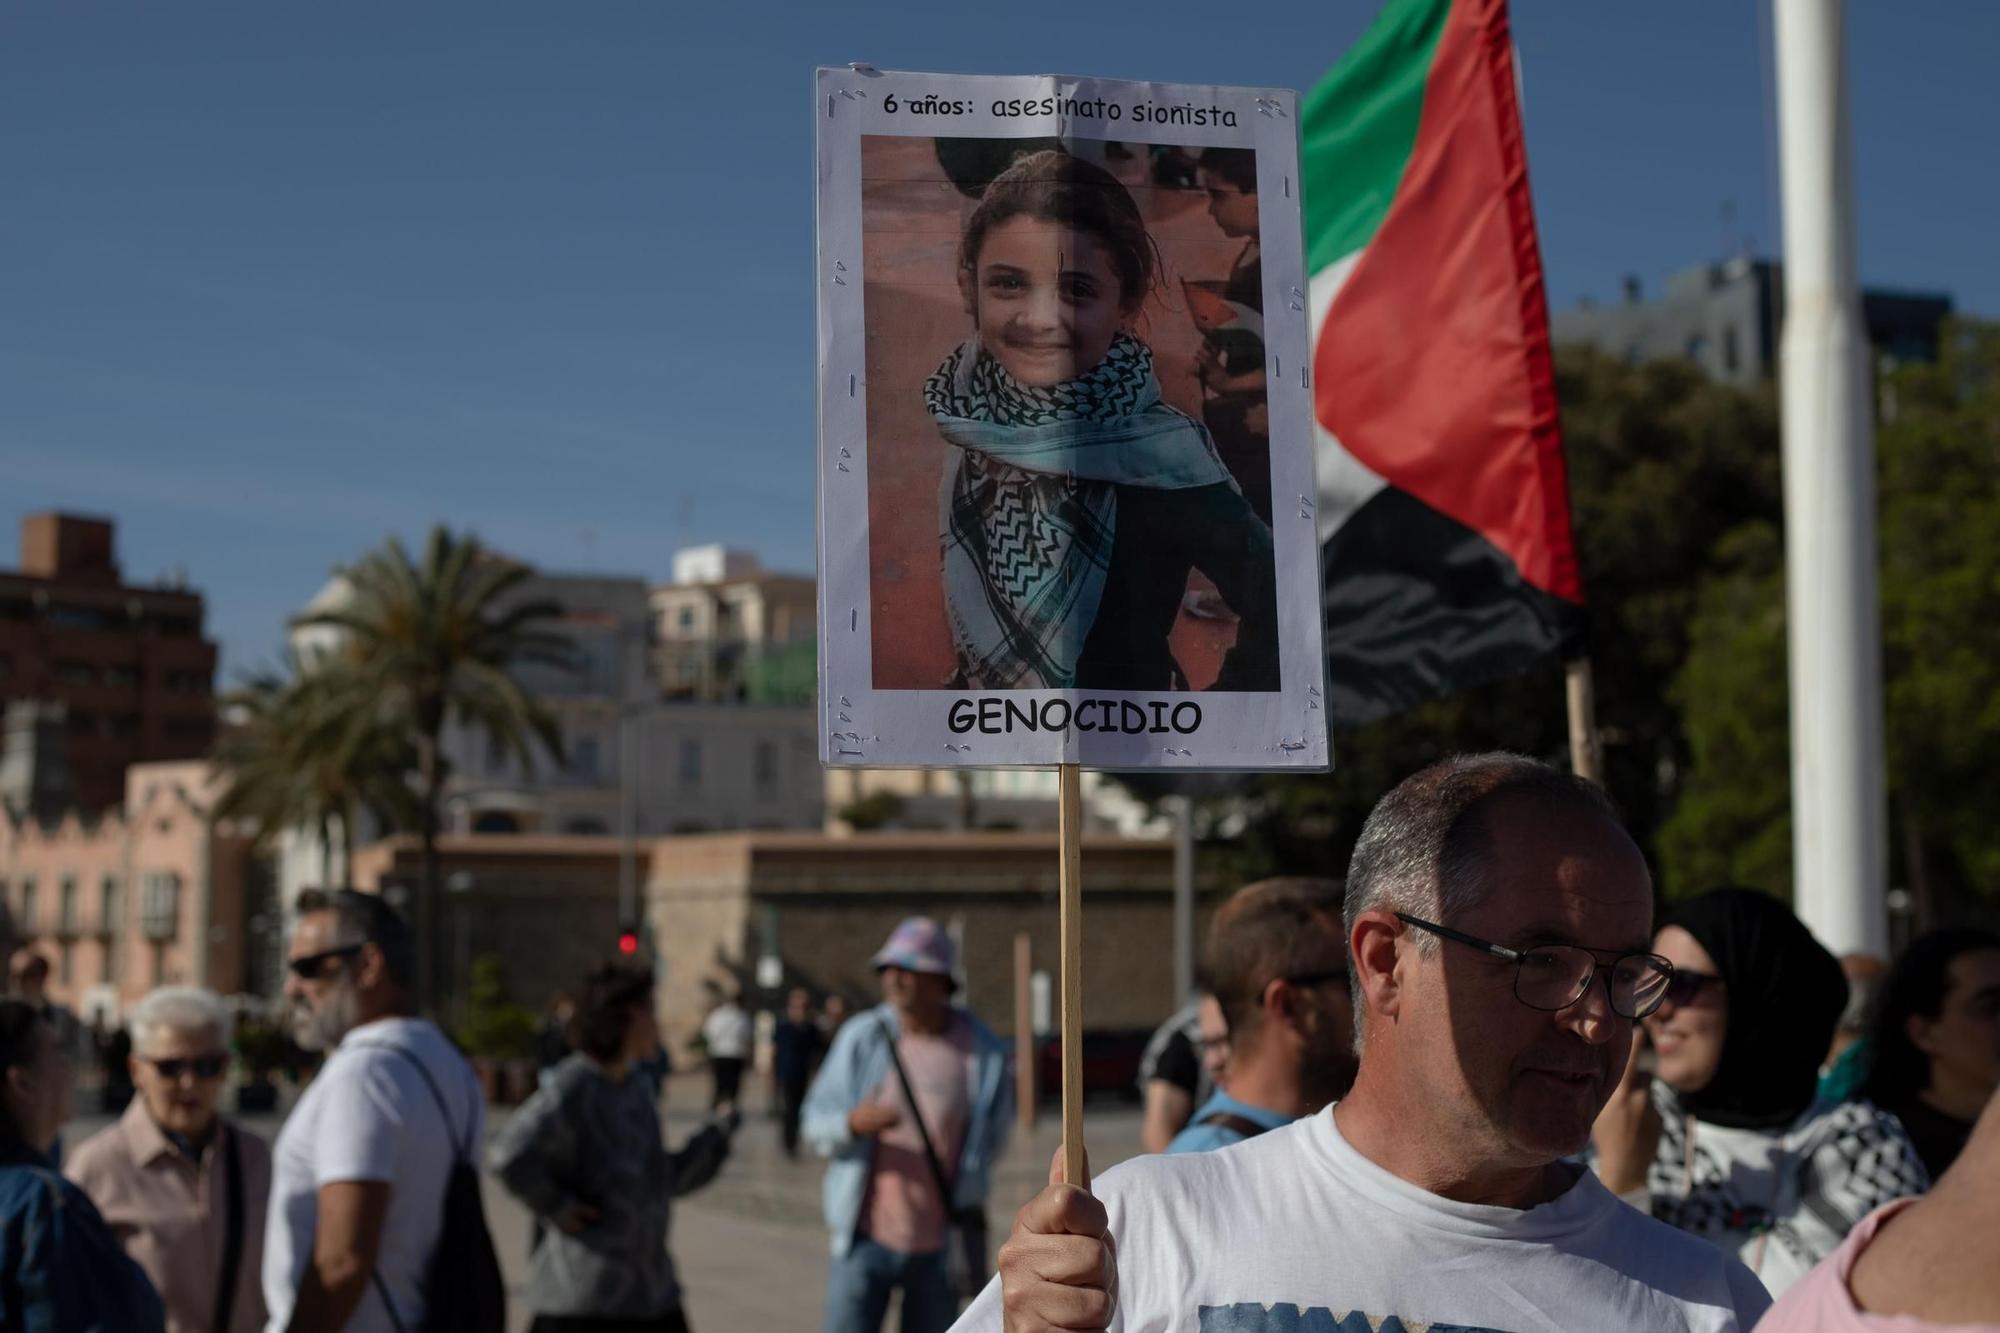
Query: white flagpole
[1839,861]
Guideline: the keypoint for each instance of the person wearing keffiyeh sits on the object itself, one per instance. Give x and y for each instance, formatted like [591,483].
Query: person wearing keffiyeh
[1077,500]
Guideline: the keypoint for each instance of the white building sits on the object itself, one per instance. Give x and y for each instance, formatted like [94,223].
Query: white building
[688,767]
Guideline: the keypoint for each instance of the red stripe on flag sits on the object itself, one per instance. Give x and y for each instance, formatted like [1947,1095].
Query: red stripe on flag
[1433,367]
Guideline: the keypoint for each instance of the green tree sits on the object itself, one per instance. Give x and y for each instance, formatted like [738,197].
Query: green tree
[296,759]
[435,639]
[1937,454]
[1663,464]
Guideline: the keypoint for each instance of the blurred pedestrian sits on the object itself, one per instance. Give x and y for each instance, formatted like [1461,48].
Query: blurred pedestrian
[728,1033]
[1729,1141]
[913,1104]
[1925,1265]
[114,1062]
[552,1033]
[29,974]
[832,1014]
[181,1186]
[1172,1078]
[363,1163]
[1935,1049]
[585,1155]
[795,1051]
[60,1266]
[1276,962]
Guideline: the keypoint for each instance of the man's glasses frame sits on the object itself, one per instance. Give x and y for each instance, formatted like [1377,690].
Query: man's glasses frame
[308,967]
[1636,1009]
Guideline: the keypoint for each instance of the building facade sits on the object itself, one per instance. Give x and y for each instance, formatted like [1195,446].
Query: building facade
[151,892]
[128,663]
[725,628]
[761,912]
[1727,317]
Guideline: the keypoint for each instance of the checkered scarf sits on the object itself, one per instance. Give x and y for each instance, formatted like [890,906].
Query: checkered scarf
[1030,507]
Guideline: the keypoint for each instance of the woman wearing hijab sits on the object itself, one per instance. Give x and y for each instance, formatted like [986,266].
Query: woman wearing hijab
[1730,1141]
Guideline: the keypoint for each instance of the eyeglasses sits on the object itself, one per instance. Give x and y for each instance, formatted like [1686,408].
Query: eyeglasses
[1553,977]
[311,965]
[1688,984]
[202,1066]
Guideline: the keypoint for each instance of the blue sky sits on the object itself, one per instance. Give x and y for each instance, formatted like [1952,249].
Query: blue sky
[277,281]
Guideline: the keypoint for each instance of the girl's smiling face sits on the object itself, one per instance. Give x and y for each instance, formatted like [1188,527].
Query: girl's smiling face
[1046,300]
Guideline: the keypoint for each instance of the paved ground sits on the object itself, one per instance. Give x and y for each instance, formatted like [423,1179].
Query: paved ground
[751,1250]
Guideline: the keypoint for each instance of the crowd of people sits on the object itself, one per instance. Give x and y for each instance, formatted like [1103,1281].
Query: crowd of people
[1720,1123]
[1478,1084]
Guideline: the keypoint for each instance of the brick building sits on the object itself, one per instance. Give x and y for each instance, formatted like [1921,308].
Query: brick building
[129,664]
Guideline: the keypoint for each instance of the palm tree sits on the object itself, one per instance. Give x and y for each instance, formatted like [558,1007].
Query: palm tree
[430,640]
[295,760]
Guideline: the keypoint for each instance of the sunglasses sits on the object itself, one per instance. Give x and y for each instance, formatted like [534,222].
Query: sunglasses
[1687,986]
[311,965]
[201,1066]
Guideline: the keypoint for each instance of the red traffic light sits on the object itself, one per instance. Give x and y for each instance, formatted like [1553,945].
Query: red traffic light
[628,942]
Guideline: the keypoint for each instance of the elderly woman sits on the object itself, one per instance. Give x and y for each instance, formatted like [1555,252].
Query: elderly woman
[183,1189]
[585,1155]
[60,1268]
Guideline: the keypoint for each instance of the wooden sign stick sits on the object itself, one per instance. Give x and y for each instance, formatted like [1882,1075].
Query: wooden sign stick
[1069,828]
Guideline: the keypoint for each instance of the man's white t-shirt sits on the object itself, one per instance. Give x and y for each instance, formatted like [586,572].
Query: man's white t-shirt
[1296,1232]
[369,1115]
[728,1032]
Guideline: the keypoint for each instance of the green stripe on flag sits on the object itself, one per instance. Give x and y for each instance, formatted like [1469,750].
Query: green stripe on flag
[1359,125]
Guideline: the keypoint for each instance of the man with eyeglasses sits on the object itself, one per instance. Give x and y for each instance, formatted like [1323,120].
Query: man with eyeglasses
[1498,921]
[358,1195]
[1276,963]
[180,1186]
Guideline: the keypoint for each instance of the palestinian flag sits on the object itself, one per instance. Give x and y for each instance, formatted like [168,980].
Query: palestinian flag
[1444,501]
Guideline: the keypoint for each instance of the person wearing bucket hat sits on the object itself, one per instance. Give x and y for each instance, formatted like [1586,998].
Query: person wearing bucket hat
[912,1104]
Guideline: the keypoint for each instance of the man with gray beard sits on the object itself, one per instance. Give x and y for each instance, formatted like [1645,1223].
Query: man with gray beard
[361,1166]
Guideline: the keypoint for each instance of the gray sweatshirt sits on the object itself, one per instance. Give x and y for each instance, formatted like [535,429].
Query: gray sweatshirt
[582,1137]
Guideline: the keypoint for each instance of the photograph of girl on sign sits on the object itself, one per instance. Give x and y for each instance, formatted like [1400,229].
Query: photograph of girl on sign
[1081,528]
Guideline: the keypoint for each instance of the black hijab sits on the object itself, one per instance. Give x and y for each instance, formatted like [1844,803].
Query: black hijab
[1786,994]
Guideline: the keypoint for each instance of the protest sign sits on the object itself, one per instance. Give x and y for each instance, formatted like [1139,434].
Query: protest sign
[1065,442]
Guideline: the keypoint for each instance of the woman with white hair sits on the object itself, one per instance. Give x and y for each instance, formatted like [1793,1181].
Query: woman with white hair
[182,1187]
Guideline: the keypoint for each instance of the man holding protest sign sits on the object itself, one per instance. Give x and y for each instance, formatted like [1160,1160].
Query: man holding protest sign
[1498,925]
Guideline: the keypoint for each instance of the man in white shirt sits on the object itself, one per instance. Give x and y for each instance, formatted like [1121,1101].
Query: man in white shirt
[360,1169]
[1498,925]
[728,1032]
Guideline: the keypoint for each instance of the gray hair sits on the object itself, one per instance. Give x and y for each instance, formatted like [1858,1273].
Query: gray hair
[179,1009]
[366,918]
[1425,847]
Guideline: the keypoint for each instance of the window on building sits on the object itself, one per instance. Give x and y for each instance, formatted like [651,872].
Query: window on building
[160,905]
[1731,354]
[30,905]
[764,768]
[66,963]
[66,907]
[496,754]
[585,826]
[123,726]
[583,760]
[686,618]
[690,763]
[123,677]
[110,906]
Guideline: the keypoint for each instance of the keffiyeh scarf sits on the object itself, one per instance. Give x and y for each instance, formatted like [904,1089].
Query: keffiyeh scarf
[1029,509]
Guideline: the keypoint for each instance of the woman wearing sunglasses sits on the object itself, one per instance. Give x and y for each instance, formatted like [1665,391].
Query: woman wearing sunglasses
[182,1187]
[1729,1141]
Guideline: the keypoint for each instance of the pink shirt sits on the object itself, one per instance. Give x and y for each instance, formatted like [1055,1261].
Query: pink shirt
[172,1214]
[904,1210]
[1820,1302]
